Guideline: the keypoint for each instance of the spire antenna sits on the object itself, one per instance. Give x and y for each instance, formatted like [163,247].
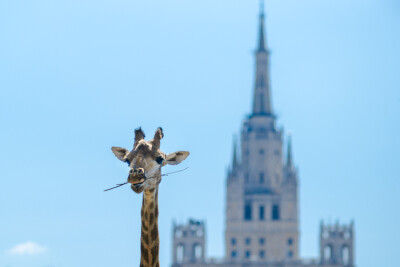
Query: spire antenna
[261,7]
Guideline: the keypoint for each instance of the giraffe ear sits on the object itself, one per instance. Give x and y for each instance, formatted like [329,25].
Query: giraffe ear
[120,152]
[176,157]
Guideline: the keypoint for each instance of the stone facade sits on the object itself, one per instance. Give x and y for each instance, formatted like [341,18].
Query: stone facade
[262,225]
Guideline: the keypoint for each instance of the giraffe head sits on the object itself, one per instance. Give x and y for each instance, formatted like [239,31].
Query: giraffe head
[146,159]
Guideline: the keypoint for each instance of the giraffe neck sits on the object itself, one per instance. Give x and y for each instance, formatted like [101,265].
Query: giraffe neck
[149,237]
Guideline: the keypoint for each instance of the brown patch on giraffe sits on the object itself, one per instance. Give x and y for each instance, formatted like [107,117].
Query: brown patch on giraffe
[145,253]
[154,253]
[156,211]
[152,190]
[145,238]
[157,264]
[154,232]
[151,206]
[144,226]
[151,219]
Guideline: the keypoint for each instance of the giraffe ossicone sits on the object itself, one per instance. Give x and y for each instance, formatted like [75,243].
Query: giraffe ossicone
[145,161]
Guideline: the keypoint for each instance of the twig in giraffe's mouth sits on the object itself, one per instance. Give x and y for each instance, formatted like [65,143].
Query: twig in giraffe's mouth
[141,183]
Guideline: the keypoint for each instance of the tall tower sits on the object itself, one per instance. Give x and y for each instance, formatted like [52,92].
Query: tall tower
[262,208]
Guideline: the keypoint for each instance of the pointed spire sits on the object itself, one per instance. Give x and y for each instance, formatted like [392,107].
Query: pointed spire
[289,160]
[262,95]
[261,41]
[234,158]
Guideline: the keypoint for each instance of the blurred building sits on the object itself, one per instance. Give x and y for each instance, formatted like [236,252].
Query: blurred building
[262,225]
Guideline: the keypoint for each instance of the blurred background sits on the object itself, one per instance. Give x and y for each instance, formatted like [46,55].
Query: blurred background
[77,77]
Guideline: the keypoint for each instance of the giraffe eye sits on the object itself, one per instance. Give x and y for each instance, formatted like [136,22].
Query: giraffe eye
[159,160]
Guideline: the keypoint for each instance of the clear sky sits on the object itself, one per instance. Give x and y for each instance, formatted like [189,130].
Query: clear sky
[77,77]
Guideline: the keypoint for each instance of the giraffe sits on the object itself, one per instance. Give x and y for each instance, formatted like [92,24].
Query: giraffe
[145,161]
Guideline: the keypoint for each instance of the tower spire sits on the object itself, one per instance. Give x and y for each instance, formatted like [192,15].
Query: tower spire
[262,101]
[261,40]
[289,160]
[234,158]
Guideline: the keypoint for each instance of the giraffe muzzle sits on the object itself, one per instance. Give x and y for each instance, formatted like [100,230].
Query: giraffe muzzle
[136,176]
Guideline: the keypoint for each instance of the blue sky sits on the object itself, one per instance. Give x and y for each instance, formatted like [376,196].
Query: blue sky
[77,77]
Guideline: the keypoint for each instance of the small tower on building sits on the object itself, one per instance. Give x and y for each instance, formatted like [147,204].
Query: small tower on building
[337,245]
[189,243]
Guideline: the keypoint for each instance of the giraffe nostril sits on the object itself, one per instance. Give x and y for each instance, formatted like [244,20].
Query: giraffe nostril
[140,171]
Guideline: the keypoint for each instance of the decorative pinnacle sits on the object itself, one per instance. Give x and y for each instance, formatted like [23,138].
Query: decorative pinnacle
[289,160]
[234,159]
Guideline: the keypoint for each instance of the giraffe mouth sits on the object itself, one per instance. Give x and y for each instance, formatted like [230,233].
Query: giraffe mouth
[139,182]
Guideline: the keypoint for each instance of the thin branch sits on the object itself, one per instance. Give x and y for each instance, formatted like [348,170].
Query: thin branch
[118,185]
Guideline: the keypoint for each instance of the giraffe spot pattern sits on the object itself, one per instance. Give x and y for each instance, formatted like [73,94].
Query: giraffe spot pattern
[154,233]
[145,253]
[154,253]
[145,238]
[151,220]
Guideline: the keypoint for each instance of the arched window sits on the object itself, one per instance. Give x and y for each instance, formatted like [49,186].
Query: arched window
[328,253]
[198,251]
[179,253]
[178,233]
[345,255]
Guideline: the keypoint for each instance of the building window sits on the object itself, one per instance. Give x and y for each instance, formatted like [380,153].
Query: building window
[233,253]
[233,241]
[261,178]
[178,233]
[262,241]
[248,241]
[275,212]
[262,254]
[247,212]
[327,253]
[262,217]
[198,251]
[247,254]
[345,255]
[290,254]
[179,253]
[290,241]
